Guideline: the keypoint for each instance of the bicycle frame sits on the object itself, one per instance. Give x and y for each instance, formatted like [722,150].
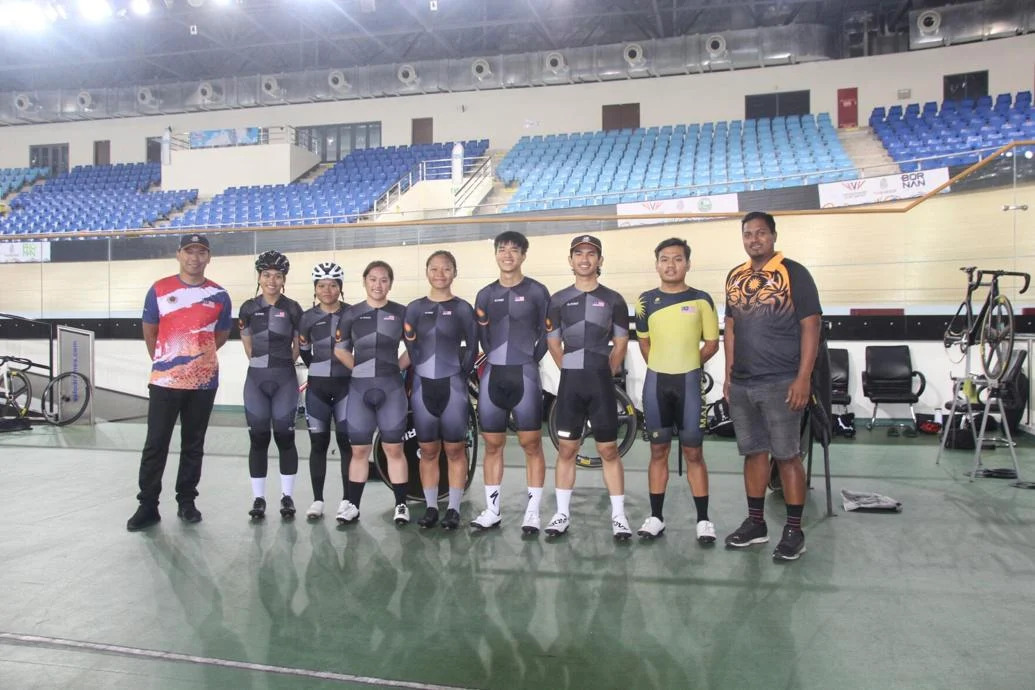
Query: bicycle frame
[975,281]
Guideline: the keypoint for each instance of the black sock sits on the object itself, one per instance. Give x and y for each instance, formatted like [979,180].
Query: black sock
[756,509]
[400,492]
[794,515]
[701,503]
[657,502]
[354,492]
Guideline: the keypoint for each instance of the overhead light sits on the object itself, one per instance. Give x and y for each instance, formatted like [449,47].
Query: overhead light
[27,16]
[141,8]
[222,3]
[94,10]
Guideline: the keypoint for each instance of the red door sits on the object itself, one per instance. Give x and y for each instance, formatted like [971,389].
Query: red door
[848,107]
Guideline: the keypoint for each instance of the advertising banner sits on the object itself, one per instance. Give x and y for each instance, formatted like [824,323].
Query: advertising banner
[874,190]
[720,203]
[24,252]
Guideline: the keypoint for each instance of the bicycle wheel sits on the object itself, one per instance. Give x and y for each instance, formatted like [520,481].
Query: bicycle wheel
[18,396]
[627,427]
[411,449]
[955,338]
[997,337]
[65,398]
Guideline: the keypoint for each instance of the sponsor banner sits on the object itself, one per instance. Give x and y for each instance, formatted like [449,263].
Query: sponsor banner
[874,190]
[210,138]
[24,252]
[720,203]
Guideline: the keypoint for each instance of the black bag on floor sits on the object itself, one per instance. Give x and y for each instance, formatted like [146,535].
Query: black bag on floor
[959,435]
[719,421]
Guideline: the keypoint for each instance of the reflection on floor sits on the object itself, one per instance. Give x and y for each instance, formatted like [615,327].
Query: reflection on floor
[932,597]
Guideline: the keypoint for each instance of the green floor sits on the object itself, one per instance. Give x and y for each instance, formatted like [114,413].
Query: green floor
[939,596]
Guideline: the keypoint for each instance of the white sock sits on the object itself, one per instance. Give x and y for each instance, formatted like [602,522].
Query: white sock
[431,497]
[287,484]
[535,495]
[259,487]
[563,501]
[617,505]
[492,498]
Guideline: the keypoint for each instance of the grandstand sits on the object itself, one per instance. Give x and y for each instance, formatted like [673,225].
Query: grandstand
[108,197]
[339,195]
[644,164]
[956,133]
[14,179]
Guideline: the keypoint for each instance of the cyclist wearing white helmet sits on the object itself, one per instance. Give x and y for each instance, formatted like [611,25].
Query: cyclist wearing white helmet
[269,331]
[327,387]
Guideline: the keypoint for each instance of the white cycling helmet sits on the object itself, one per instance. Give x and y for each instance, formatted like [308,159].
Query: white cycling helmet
[328,270]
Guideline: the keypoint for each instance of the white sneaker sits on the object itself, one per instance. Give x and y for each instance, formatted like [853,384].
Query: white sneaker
[558,525]
[402,514]
[486,520]
[347,512]
[531,522]
[620,527]
[652,527]
[706,532]
[315,511]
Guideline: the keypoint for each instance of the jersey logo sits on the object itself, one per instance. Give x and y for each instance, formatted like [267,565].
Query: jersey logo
[572,304]
[429,313]
[599,303]
[519,298]
[279,314]
[447,312]
[500,299]
[337,335]
[389,317]
[687,309]
[171,299]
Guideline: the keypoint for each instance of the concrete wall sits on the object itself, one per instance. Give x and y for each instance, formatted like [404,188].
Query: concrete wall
[210,171]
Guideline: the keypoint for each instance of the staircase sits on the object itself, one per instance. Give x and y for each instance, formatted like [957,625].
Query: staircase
[867,152]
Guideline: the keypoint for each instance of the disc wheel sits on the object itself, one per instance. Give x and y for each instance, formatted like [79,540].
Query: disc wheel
[627,427]
[65,398]
[411,449]
[997,338]
[19,395]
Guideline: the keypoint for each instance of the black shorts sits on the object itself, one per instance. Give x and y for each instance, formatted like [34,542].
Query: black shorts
[440,409]
[510,389]
[377,403]
[325,399]
[270,399]
[673,401]
[587,394]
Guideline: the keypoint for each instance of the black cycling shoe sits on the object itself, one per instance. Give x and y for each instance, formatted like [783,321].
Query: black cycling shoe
[188,512]
[258,511]
[451,520]
[429,519]
[287,507]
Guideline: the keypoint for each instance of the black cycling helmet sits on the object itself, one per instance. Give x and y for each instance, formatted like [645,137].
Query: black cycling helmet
[274,260]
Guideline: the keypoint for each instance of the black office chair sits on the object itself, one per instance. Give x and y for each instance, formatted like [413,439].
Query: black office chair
[839,377]
[888,378]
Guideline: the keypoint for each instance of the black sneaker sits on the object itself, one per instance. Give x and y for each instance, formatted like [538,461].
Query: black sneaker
[791,546]
[749,532]
[287,507]
[429,519]
[451,520]
[258,511]
[188,512]
[145,516]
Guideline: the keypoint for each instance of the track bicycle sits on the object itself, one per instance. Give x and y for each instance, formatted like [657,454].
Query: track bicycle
[992,329]
[64,399]
[630,423]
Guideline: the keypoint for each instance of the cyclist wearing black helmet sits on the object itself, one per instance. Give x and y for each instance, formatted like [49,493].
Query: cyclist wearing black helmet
[367,342]
[328,385]
[269,331]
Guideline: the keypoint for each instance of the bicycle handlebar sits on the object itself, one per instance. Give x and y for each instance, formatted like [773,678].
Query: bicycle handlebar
[4,359]
[975,281]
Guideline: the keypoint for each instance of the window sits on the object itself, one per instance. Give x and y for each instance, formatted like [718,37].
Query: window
[337,141]
[622,116]
[970,85]
[774,104]
[53,156]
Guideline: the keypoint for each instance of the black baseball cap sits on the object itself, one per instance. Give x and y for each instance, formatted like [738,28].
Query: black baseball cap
[586,239]
[192,240]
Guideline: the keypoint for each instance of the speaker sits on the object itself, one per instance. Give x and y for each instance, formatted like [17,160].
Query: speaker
[554,62]
[337,81]
[23,102]
[929,22]
[633,54]
[407,74]
[715,45]
[481,69]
